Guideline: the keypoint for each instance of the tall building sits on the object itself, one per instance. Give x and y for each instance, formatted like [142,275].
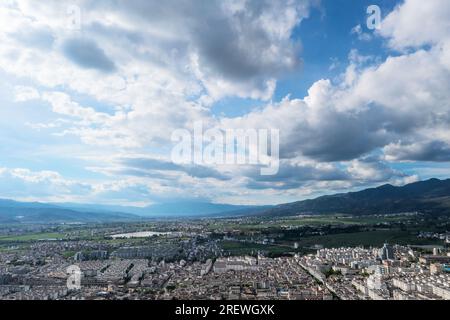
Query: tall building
[386,253]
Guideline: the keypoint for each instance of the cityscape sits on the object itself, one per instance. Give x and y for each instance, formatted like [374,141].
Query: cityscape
[212,158]
[227,259]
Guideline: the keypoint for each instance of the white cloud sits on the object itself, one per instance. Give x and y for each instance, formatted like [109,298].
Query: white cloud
[20,183]
[138,70]
[405,98]
[416,23]
[362,36]
[160,75]
[23,93]
[62,104]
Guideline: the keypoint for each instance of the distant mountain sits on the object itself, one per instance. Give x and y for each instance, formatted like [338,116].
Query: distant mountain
[193,208]
[172,209]
[431,196]
[102,208]
[35,212]
[6,203]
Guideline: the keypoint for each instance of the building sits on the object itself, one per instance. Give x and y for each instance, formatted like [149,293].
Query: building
[386,253]
[206,268]
[428,259]
[5,278]
[436,268]
[375,282]
[404,285]
[91,255]
[236,264]
[442,291]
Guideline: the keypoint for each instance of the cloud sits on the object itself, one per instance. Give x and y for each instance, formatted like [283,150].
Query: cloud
[370,106]
[294,174]
[362,36]
[229,47]
[40,38]
[86,54]
[137,70]
[143,166]
[229,44]
[23,93]
[62,104]
[247,45]
[163,63]
[21,183]
[417,23]
[373,170]
[434,151]
[49,186]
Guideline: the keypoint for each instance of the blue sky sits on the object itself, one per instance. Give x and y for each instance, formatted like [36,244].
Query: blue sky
[91,92]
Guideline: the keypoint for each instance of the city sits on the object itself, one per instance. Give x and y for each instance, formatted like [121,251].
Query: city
[224,158]
[194,260]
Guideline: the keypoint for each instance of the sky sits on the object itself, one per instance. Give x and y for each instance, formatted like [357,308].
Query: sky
[92,91]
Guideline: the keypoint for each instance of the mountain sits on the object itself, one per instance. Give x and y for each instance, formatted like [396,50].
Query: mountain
[172,209]
[194,208]
[6,203]
[35,212]
[431,196]
[102,208]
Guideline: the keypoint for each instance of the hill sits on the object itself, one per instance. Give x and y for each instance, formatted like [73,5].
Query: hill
[35,212]
[169,209]
[431,196]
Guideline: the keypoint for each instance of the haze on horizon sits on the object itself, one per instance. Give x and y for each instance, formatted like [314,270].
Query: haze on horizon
[91,91]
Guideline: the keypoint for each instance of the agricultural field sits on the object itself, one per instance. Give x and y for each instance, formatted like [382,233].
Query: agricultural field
[33,237]
[242,248]
[367,238]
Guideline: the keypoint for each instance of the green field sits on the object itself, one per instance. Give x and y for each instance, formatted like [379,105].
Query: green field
[33,237]
[340,220]
[305,221]
[369,238]
[240,248]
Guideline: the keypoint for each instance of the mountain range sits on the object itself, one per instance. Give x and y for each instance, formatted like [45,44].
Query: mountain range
[431,196]
[36,212]
[169,209]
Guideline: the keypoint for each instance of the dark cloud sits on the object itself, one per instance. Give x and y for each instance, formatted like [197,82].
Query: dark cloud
[434,151]
[292,176]
[230,43]
[237,47]
[87,54]
[363,172]
[140,173]
[338,136]
[347,135]
[142,167]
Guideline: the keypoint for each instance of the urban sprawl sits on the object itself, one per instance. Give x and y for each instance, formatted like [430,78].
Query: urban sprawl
[189,261]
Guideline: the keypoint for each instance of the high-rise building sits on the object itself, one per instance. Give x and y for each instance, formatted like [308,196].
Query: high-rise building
[386,253]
